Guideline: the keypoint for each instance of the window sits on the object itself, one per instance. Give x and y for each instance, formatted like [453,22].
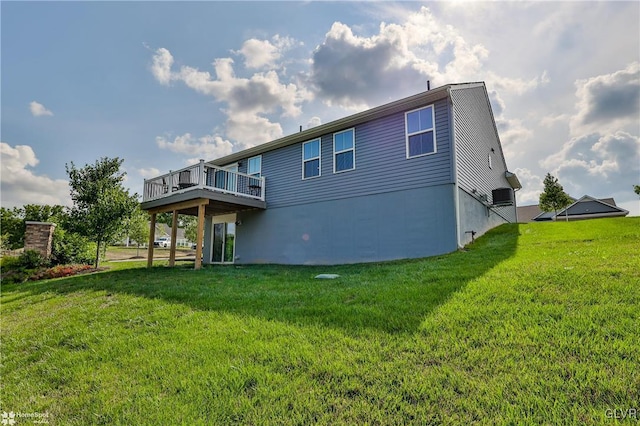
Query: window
[490,161]
[226,177]
[311,159]
[344,151]
[421,133]
[254,166]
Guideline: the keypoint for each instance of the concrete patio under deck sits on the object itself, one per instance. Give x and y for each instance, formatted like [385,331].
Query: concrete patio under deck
[197,202]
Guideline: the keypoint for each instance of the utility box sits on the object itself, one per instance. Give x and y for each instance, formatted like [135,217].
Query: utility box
[502,197]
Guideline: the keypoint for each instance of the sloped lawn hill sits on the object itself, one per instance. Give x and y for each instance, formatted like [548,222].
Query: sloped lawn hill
[533,324]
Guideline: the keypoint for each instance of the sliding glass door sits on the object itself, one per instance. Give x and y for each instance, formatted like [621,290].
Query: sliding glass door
[224,235]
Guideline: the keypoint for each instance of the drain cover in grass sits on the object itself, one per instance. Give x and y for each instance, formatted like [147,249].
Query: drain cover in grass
[327,276]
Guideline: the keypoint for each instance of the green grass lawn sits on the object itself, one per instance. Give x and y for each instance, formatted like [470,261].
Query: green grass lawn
[533,324]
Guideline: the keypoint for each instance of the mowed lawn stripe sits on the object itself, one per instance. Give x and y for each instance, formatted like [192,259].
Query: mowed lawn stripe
[531,324]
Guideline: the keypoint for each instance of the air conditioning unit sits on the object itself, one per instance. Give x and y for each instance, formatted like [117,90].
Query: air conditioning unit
[502,197]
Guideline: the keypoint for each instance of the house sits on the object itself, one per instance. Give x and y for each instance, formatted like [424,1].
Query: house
[417,177]
[586,207]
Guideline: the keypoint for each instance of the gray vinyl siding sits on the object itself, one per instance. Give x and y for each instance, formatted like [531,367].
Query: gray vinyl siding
[411,223]
[475,136]
[380,164]
[591,207]
[477,217]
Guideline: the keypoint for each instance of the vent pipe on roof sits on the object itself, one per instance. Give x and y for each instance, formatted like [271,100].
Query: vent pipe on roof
[428,85]
[301,127]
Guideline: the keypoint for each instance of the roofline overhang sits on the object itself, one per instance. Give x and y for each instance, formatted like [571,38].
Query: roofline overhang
[405,104]
[513,180]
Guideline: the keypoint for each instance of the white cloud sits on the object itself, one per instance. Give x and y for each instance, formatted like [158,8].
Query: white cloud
[513,133]
[608,102]
[39,110]
[355,71]
[248,100]
[265,53]
[205,147]
[150,172]
[516,86]
[22,186]
[602,156]
[532,186]
[260,94]
[313,122]
[161,67]
[259,53]
[597,164]
[251,129]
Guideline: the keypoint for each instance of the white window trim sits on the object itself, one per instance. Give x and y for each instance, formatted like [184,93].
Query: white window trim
[407,134]
[490,161]
[344,150]
[259,173]
[319,157]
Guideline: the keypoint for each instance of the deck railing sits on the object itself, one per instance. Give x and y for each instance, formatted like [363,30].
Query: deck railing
[204,176]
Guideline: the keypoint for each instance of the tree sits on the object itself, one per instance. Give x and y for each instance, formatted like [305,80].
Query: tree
[137,227]
[636,189]
[101,205]
[190,224]
[187,222]
[553,198]
[13,225]
[44,213]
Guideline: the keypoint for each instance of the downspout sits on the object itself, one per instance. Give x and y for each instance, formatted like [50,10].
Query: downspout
[454,168]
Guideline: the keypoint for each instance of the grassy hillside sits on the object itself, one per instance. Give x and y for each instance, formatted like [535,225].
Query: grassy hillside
[533,324]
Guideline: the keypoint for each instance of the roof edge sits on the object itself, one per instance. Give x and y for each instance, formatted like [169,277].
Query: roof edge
[413,101]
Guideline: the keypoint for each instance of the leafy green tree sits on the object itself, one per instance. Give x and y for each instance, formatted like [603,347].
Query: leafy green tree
[101,205]
[69,247]
[187,222]
[13,221]
[636,189]
[190,225]
[12,226]
[138,227]
[553,198]
[44,213]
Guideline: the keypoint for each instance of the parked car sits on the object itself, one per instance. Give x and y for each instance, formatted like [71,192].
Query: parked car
[162,242]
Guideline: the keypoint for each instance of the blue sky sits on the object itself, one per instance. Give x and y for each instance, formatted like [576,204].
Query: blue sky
[162,84]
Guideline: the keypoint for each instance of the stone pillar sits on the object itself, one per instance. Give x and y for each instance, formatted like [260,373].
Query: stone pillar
[38,237]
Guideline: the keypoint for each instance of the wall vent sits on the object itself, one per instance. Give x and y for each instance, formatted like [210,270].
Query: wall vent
[502,197]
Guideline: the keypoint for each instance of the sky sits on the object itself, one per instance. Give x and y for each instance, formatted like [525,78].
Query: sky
[164,84]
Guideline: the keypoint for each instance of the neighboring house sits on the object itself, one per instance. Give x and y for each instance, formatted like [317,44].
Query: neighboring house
[417,177]
[162,230]
[585,208]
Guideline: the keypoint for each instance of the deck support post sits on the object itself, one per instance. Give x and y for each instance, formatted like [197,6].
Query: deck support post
[201,210]
[174,236]
[152,237]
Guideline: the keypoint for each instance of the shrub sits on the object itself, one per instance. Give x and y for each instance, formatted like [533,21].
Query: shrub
[68,248]
[9,263]
[11,270]
[60,271]
[32,259]
[15,276]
